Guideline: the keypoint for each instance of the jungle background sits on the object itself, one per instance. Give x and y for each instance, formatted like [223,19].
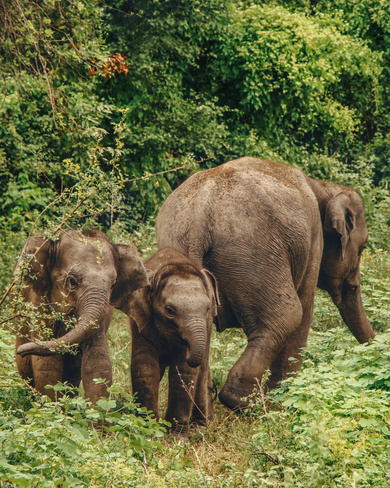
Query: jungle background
[105,107]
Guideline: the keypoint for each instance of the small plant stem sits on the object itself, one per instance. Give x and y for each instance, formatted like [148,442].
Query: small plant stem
[146,177]
[189,393]
[145,465]
[261,390]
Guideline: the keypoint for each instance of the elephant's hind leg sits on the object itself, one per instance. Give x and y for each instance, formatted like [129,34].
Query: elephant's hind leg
[288,360]
[268,331]
[282,365]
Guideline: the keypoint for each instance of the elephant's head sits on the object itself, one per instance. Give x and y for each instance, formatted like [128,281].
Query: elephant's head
[345,237]
[179,304]
[81,274]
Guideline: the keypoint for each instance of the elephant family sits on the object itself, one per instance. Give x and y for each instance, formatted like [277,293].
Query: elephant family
[270,235]
[80,277]
[171,321]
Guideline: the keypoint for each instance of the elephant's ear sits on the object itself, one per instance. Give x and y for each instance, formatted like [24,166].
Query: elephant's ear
[38,252]
[340,217]
[210,279]
[139,308]
[131,275]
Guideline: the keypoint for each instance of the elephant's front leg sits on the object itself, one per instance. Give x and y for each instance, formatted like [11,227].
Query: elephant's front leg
[24,364]
[95,364]
[146,371]
[183,382]
[47,370]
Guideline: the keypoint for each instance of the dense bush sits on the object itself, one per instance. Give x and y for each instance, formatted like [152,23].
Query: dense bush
[332,429]
[296,80]
[192,81]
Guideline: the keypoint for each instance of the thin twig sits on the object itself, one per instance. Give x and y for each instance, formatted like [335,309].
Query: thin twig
[145,465]
[261,389]
[269,457]
[145,177]
[16,316]
[189,393]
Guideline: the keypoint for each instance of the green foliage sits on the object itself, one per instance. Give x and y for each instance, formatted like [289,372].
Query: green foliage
[70,442]
[199,81]
[376,283]
[332,429]
[63,443]
[291,77]
[49,110]
[171,113]
[368,22]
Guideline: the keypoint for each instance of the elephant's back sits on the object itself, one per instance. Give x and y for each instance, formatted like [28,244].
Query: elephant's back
[242,193]
[245,214]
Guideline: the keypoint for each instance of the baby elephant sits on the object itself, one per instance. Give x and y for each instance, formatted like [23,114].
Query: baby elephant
[74,281]
[171,323]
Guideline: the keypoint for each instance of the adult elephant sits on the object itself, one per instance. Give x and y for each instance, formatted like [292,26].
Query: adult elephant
[80,277]
[270,235]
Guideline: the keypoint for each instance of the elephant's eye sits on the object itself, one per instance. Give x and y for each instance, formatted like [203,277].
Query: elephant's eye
[72,282]
[169,311]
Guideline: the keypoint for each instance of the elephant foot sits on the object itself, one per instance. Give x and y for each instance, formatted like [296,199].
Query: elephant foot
[181,438]
[180,432]
[204,415]
[201,422]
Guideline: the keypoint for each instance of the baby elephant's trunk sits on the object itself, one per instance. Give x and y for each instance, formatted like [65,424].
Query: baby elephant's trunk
[196,338]
[92,309]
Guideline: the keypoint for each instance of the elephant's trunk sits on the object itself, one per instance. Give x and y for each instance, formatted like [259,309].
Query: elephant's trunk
[196,339]
[92,307]
[352,311]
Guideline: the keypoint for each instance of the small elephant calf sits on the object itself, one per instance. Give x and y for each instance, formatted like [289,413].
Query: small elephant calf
[171,322]
[79,277]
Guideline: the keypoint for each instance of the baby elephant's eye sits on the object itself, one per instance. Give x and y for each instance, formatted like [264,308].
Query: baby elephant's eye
[169,311]
[72,282]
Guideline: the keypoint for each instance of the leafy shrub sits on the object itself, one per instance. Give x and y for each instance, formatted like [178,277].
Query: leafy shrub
[295,78]
[50,111]
[332,427]
[63,443]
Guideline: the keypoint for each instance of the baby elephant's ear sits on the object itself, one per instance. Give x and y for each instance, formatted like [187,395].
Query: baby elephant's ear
[212,282]
[131,275]
[38,253]
[139,308]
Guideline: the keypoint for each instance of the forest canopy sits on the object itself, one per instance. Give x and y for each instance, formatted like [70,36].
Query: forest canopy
[100,96]
[192,84]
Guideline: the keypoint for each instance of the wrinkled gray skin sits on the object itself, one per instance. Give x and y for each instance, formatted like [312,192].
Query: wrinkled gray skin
[171,326]
[83,276]
[270,235]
